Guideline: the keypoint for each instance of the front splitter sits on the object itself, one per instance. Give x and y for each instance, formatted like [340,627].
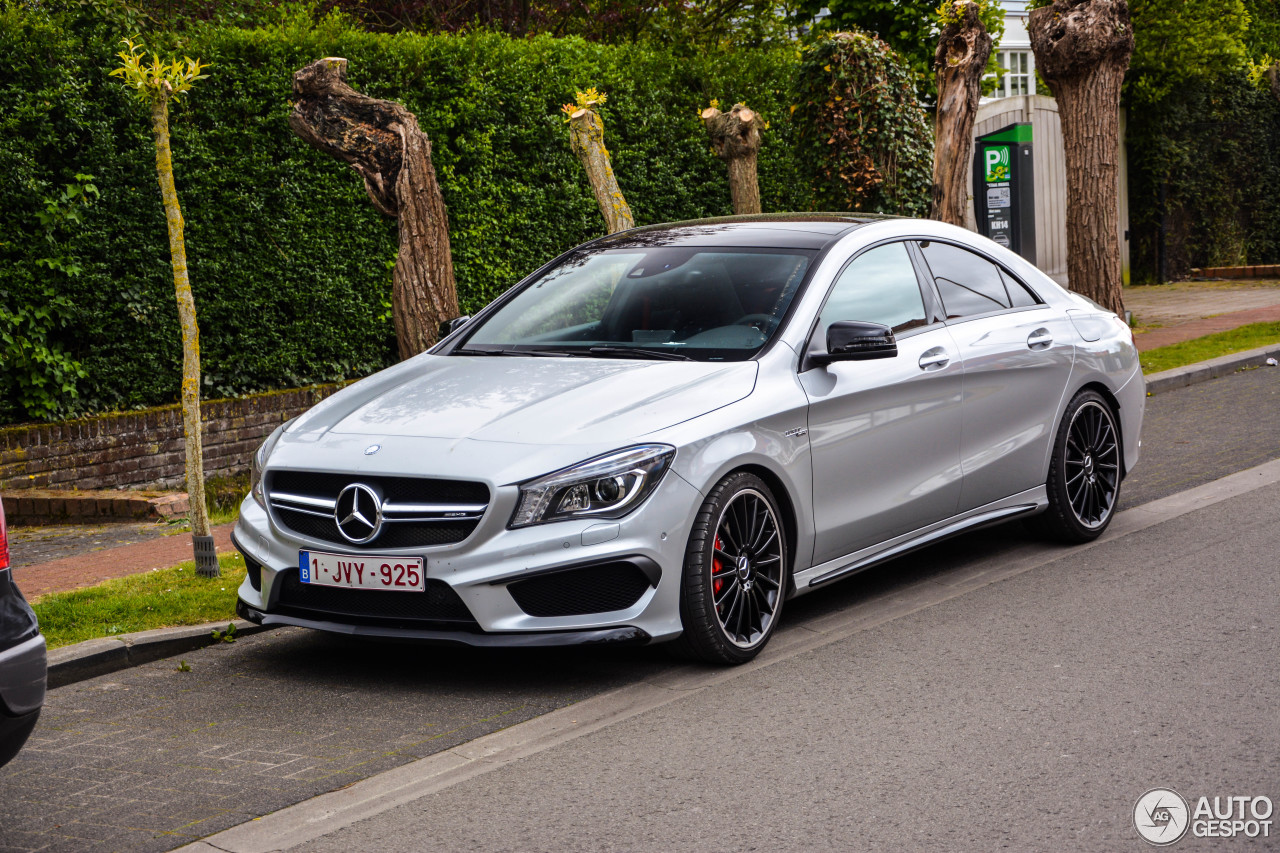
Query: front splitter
[625,634]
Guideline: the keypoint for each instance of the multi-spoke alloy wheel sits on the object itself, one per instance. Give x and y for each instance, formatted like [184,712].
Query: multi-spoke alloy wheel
[1093,464]
[1084,473]
[735,572]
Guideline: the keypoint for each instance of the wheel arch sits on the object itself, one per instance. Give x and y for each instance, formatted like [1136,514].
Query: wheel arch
[1114,404]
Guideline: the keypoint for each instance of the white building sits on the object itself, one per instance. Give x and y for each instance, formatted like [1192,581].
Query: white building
[1013,53]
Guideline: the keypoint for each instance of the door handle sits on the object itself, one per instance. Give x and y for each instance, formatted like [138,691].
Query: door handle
[934,359]
[1040,339]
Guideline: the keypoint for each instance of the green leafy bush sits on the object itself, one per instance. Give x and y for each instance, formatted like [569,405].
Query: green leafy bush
[862,131]
[288,259]
[1203,138]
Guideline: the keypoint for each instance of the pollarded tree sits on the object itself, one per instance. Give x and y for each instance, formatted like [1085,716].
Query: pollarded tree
[735,137]
[1082,49]
[963,47]
[382,142]
[156,85]
[586,137]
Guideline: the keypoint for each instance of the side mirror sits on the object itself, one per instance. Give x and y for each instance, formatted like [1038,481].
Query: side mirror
[448,327]
[855,341]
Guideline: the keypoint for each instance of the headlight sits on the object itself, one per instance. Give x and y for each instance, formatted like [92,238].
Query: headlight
[608,486]
[260,461]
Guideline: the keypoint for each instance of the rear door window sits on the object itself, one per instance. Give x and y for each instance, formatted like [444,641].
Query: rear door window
[968,283]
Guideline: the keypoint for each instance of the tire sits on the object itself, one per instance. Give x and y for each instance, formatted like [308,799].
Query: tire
[735,573]
[1084,472]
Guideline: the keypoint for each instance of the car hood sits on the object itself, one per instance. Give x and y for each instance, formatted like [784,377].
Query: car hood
[528,400]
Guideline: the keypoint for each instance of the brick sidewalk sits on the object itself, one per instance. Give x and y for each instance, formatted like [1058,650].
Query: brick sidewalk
[1193,329]
[97,566]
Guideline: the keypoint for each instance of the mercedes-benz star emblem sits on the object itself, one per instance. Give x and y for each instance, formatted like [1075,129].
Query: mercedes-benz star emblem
[358,513]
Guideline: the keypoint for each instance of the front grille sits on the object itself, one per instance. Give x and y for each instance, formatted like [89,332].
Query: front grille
[419,512]
[591,589]
[392,535]
[439,607]
[400,489]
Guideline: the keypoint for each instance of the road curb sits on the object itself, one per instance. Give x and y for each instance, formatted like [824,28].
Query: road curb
[1203,371]
[92,658]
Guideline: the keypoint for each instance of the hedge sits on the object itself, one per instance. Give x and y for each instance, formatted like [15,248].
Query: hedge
[289,262]
[1212,150]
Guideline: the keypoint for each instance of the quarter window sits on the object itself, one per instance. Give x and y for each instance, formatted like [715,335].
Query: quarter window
[1018,293]
[879,286]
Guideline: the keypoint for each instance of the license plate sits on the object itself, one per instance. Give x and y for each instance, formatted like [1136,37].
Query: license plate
[398,574]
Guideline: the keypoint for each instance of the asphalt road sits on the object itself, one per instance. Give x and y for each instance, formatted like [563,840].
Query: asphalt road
[1030,714]
[151,758]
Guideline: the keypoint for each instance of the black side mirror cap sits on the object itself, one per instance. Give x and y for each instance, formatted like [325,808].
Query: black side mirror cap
[448,327]
[849,340]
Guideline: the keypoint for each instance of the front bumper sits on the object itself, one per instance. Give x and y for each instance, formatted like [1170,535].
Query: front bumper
[478,575]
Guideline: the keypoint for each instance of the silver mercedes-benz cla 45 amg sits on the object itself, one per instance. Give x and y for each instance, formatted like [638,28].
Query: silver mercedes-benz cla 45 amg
[664,434]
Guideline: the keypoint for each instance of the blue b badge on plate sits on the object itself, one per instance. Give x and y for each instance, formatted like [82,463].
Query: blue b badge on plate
[304,567]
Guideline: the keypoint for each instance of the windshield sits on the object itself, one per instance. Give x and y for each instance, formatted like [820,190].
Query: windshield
[670,302]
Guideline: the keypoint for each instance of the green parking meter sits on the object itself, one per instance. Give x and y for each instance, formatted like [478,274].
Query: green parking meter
[1004,189]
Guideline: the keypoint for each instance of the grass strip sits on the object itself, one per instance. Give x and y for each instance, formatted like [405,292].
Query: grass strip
[161,598]
[1210,346]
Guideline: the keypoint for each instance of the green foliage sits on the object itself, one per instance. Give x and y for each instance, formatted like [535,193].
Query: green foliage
[39,375]
[288,258]
[861,129]
[159,79]
[1262,39]
[1176,43]
[1203,138]
[909,27]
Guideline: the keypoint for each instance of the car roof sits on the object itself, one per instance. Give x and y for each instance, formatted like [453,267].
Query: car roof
[765,230]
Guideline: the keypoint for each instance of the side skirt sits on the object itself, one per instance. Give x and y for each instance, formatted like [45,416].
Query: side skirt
[1014,506]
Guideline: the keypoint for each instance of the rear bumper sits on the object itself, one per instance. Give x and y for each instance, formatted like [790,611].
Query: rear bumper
[23,670]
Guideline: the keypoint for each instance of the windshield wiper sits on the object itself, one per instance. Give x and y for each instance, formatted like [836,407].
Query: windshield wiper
[558,353]
[480,352]
[626,352]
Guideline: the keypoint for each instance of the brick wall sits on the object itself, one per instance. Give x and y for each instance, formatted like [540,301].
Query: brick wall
[145,448]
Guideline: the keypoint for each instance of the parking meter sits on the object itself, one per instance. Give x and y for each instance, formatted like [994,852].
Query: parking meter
[1004,189]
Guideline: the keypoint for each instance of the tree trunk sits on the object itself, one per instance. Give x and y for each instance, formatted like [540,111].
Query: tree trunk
[586,136]
[1273,77]
[190,333]
[735,137]
[961,57]
[1082,50]
[382,142]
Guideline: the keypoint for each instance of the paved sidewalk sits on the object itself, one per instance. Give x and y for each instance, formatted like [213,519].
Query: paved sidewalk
[1193,329]
[93,567]
[1172,313]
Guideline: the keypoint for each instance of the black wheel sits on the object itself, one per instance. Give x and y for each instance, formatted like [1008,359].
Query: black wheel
[735,573]
[1084,472]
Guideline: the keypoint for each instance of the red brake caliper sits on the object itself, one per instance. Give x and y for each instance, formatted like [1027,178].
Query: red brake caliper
[716,568]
